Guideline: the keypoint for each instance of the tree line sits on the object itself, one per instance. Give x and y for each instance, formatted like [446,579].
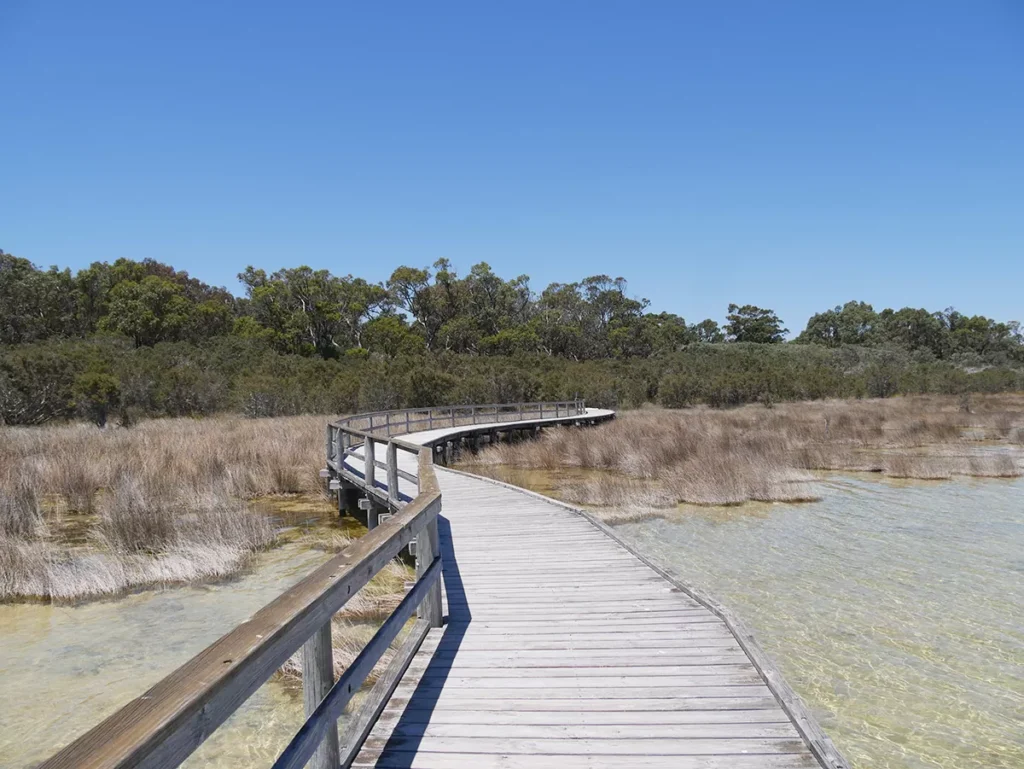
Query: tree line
[142,338]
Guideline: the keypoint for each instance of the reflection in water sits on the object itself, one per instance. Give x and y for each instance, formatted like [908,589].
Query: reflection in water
[893,608]
[65,668]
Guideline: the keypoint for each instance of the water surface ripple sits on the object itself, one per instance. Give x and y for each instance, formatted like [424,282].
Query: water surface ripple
[893,608]
[65,668]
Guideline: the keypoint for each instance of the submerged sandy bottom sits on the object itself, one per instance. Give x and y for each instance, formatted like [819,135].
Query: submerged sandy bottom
[893,607]
[65,668]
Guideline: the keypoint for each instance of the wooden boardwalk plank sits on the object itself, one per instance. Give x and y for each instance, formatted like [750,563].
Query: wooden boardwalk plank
[424,760]
[564,649]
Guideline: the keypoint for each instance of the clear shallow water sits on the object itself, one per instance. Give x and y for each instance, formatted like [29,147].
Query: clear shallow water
[65,668]
[895,609]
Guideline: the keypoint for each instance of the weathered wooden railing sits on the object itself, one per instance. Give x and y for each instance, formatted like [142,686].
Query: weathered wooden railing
[359,436]
[403,421]
[161,728]
[167,723]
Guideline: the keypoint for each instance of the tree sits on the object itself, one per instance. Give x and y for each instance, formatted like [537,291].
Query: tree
[391,336]
[853,323]
[34,305]
[708,332]
[311,311]
[913,329]
[96,392]
[36,384]
[590,319]
[668,333]
[153,310]
[754,324]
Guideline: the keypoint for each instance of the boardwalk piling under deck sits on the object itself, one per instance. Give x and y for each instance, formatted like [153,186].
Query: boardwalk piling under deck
[562,648]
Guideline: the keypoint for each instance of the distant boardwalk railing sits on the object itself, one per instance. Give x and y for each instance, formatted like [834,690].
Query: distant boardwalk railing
[165,725]
[368,440]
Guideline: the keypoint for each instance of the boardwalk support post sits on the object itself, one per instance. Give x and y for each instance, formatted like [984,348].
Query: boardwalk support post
[317,680]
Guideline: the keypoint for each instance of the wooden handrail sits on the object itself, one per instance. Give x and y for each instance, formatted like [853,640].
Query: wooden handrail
[426,409]
[342,435]
[165,725]
[403,418]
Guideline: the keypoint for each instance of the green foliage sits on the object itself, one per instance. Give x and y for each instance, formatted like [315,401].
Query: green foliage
[96,392]
[946,335]
[754,324]
[151,311]
[311,311]
[146,339]
[34,305]
[853,323]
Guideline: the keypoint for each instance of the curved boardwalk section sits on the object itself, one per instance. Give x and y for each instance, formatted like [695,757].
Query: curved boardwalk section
[535,638]
[561,648]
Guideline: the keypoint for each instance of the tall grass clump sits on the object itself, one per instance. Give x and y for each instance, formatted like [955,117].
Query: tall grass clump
[656,458]
[21,516]
[86,512]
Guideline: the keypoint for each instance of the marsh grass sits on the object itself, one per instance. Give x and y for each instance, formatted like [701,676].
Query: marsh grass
[652,459]
[87,512]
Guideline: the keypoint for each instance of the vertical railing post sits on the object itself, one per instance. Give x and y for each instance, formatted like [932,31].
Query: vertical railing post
[317,680]
[369,466]
[427,548]
[453,416]
[329,447]
[392,463]
[339,447]
[542,410]
[406,422]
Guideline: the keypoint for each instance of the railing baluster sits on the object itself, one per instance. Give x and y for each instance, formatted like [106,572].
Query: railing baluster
[392,463]
[317,680]
[369,466]
[427,548]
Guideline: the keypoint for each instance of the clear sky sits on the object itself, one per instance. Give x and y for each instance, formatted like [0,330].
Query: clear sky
[793,155]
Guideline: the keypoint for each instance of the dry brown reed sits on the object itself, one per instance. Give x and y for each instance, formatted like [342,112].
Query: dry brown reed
[87,512]
[655,458]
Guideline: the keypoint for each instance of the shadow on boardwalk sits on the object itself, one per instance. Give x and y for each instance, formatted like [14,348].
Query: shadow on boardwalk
[402,746]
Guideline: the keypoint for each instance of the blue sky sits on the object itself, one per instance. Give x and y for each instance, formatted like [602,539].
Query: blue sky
[793,155]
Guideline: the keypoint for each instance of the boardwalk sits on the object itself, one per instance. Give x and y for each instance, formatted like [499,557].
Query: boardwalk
[562,648]
[540,639]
